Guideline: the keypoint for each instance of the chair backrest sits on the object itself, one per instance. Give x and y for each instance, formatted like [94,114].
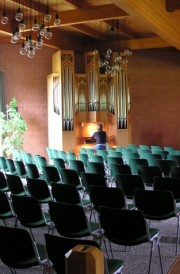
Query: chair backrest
[28,211]
[129,183]
[113,153]
[89,179]
[69,219]
[70,176]
[168,183]
[32,171]
[51,174]
[58,163]
[175,171]
[38,188]
[5,207]
[28,158]
[41,162]
[70,155]
[134,163]
[102,153]
[131,155]
[3,164]
[175,158]
[77,165]
[65,193]
[124,227]
[96,159]
[84,158]
[165,165]
[17,250]
[148,173]
[3,183]
[62,155]
[114,160]
[21,169]
[119,169]
[156,204]
[11,166]
[95,167]
[107,196]
[58,246]
[152,157]
[16,185]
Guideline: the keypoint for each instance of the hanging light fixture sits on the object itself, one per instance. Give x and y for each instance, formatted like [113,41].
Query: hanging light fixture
[29,46]
[112,62]
[4,18]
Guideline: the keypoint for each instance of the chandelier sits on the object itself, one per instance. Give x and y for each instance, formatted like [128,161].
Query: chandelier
[40,26]
[111,61]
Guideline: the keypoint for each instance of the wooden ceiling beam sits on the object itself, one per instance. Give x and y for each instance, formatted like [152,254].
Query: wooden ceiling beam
[172,5]
[164,24]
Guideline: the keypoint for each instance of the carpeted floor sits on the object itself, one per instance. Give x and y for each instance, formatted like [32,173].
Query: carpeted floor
[135,260]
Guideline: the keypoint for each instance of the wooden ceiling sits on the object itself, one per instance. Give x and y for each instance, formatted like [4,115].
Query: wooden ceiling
[90,24]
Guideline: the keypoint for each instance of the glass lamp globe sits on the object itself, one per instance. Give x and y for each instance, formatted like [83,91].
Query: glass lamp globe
[4,19]
[31,52]
[23,50]
[48,34]
[57,21]
[19,15]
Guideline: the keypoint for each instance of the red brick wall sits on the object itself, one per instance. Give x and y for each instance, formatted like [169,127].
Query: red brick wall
[154,86]
[26,79]
[154,79]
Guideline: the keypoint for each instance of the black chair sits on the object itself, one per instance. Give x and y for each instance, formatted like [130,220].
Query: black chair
[21,169]
[88,179]
[67,193]
[57,247]
[71,221]
[38,188]
[128,184]
[134,163]
[58,163]
[175,171]
[148,173]
[157,205]
[70,176]
[3,183]
[33,172]
[107,196]
[168,183]
[51,174]
[29,213]
[16,185]
[6,210]
[119,169]
[3,164]
[77,165]
[95,167]
[165,166]
[128,228]
[11,166]
[19,251]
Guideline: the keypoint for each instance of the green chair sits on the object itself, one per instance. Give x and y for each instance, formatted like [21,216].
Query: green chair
[66,193]
[29,158]
[134,163]
[83,150]
[21,169]
[71,155]
[77,165]
[148,173]
[51,175]
[16,185]
[58,163]
[55,153]
[30,213]
[49,153]
[131,155]
[95,167]
[119,169]
[128,228]
[175,171]
[62,155]
[58,246]
[144,147]
[114,160]
[71,221]
[70,176]
[96,159]
[88,179]
[3,183]
[41,162]
[165,166]
[113,153]
[102,153]
[170,150]
[3,164]
[6,211]
[33,171]
[155,148]
[175,158]
[133,147]
[84,158]
[168,183]
[19,251]
[38,188]
[128,184]
[151,157]
[157,205]
[11,166]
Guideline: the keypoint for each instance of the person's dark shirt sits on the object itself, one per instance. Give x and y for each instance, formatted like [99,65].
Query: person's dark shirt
[100,137]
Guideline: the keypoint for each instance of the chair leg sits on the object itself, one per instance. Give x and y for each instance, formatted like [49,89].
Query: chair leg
[160,258]
[152,246]
[177,237]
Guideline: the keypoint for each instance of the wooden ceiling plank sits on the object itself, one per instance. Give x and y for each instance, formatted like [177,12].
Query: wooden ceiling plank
[161,22]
